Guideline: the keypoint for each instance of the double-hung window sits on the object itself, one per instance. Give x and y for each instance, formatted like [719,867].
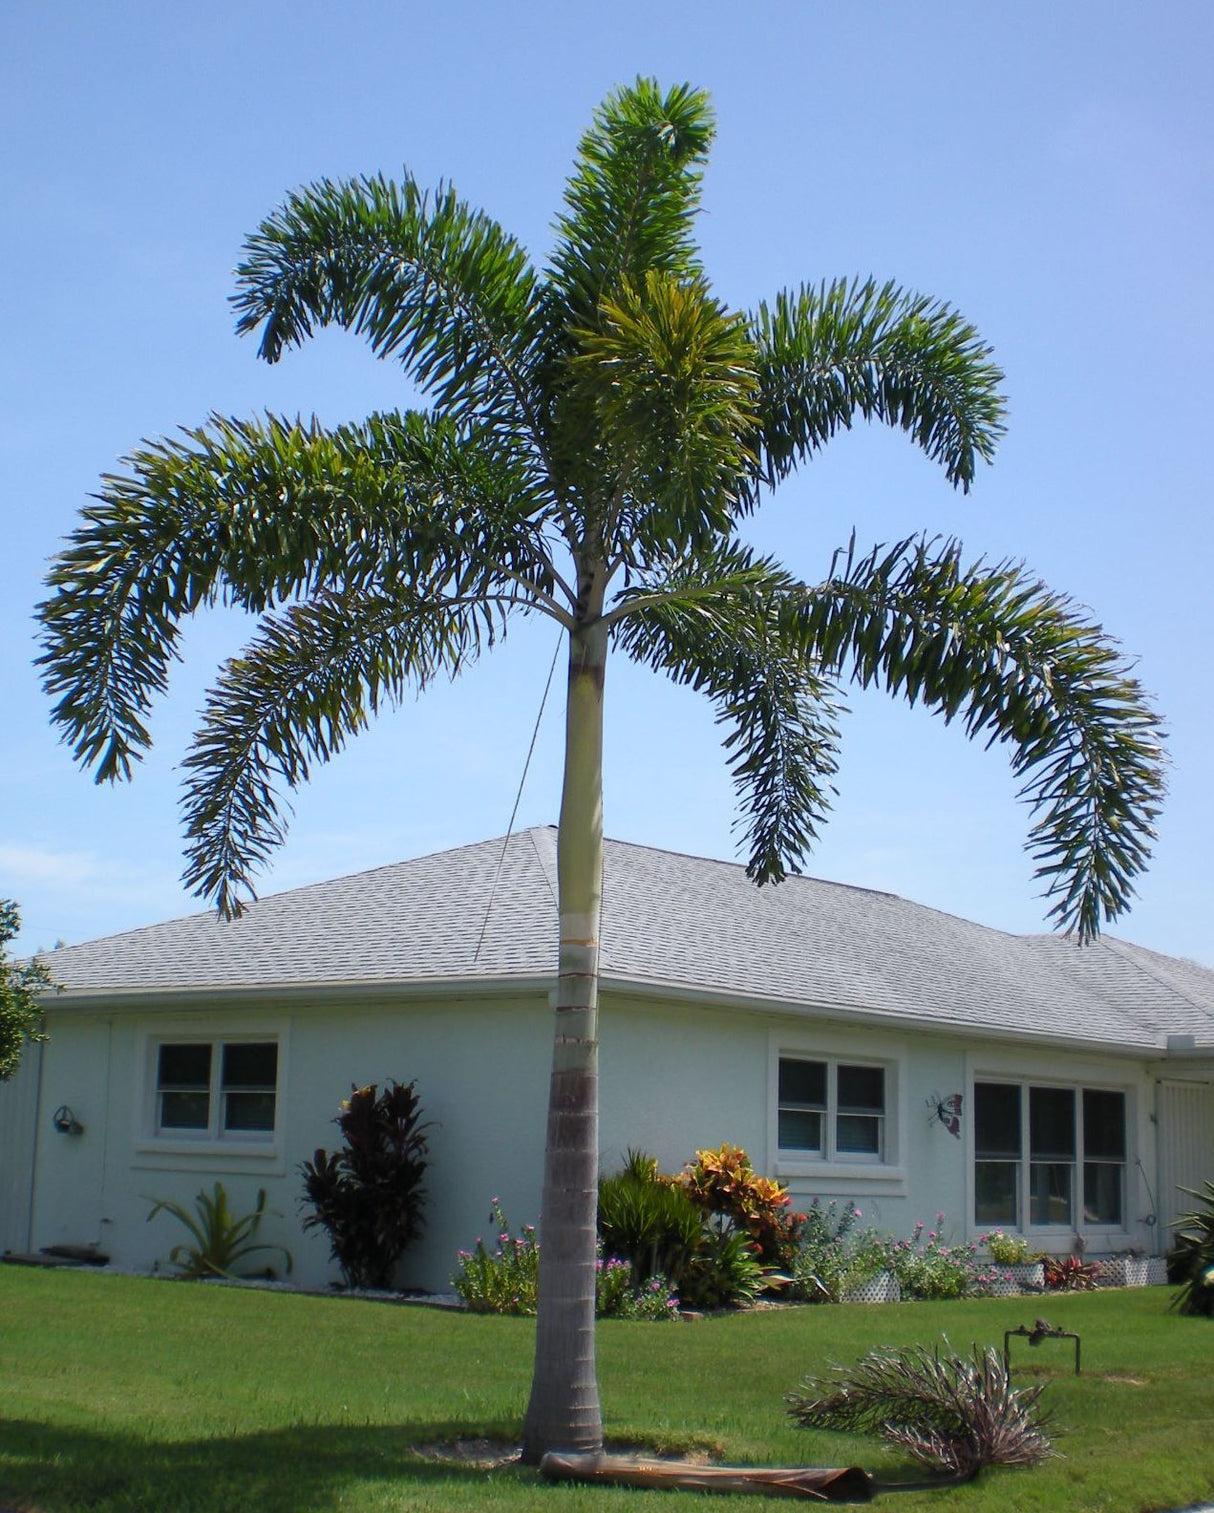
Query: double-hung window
[1048,1156]
[831,1109]
[216,1089]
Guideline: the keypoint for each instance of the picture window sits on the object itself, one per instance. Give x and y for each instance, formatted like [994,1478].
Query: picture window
[1048,1157]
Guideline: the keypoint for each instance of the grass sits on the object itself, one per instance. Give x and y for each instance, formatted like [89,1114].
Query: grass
[119,1394]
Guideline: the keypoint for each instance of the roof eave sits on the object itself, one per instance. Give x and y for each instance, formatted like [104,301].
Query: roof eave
[862,1014]
[377,990]
[361,989]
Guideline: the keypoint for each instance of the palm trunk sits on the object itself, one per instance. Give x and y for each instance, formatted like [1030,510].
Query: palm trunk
[564,1409]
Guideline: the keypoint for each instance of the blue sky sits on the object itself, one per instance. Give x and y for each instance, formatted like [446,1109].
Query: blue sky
[1045,168]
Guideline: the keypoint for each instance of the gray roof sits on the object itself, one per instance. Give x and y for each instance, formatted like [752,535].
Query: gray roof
[669,921]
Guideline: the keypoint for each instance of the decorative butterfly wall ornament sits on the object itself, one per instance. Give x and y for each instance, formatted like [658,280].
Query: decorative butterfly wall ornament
[947,1111]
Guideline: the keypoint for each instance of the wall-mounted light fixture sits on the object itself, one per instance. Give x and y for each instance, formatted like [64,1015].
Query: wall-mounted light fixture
[66,1122]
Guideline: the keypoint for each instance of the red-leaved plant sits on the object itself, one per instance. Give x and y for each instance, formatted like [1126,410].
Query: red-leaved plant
[368,1196]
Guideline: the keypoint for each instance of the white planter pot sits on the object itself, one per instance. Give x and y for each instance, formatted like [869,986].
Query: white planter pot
[1004,1286]
[1029,1276]
[1124,1271]
[883,1288]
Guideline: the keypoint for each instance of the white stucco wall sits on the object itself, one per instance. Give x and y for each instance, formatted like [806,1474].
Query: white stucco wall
[481,1070]
[673,1079]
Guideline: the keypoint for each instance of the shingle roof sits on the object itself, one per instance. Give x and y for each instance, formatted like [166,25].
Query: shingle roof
[668,920]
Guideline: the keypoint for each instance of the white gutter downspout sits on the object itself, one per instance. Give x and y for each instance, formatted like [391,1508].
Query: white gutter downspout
[29,1211]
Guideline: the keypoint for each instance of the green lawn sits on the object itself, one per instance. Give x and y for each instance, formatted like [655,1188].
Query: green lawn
[119,1393]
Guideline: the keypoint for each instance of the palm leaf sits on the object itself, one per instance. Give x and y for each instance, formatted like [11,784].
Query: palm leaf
[665,384]
[1021,666]
[842,349]
[310,679]
[256,513]
[716,627]
[630,203]
[426,279]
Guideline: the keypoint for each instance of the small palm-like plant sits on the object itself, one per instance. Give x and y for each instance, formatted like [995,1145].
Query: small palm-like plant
[222,1240]
[953,1413]
[648,1220]
[1191,1260]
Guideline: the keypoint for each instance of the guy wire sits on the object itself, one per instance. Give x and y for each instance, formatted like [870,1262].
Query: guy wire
[517,799]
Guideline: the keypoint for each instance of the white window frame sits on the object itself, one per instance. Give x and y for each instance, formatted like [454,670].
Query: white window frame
[1024,1082]
[154,1141]
[883,1173]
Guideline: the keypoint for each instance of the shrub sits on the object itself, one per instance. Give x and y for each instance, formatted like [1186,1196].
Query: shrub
[648,1220]
[724,1272]
[1191,1259]
[723,1184]
[669,1227]
[833,1260]
[21,1016]
[368,1197]
[866,1256]
[617,1295]
[221,1239]
[950,1412]
[820,1262]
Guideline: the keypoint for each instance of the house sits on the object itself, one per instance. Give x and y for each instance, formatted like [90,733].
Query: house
[856,1044]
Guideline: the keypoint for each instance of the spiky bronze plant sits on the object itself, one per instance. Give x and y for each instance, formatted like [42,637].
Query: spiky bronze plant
[954,1413]
[1192,1256]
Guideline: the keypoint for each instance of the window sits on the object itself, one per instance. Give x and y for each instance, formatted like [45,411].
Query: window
[831,1109]
[1071,1167]
[216,1090]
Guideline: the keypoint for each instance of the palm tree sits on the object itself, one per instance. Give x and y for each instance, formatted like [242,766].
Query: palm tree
[599,433]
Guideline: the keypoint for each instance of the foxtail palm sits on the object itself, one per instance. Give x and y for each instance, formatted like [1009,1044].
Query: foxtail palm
[599,433]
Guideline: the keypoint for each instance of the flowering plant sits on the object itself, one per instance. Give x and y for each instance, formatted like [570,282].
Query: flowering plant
[931,1268]
[505,1279]
[1005,1249]
[618,1297]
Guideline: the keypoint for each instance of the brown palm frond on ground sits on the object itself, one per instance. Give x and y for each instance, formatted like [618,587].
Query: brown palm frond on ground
[953,1413]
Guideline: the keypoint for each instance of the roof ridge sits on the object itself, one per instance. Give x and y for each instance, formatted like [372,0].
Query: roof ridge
[545,855]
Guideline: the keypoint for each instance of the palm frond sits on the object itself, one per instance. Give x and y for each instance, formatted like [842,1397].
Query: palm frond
[425,278]
[665,385]
[256,513]
[630,203]
[1021,665]
[716,626]
[310,680]
[954,1413]
[829,353]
